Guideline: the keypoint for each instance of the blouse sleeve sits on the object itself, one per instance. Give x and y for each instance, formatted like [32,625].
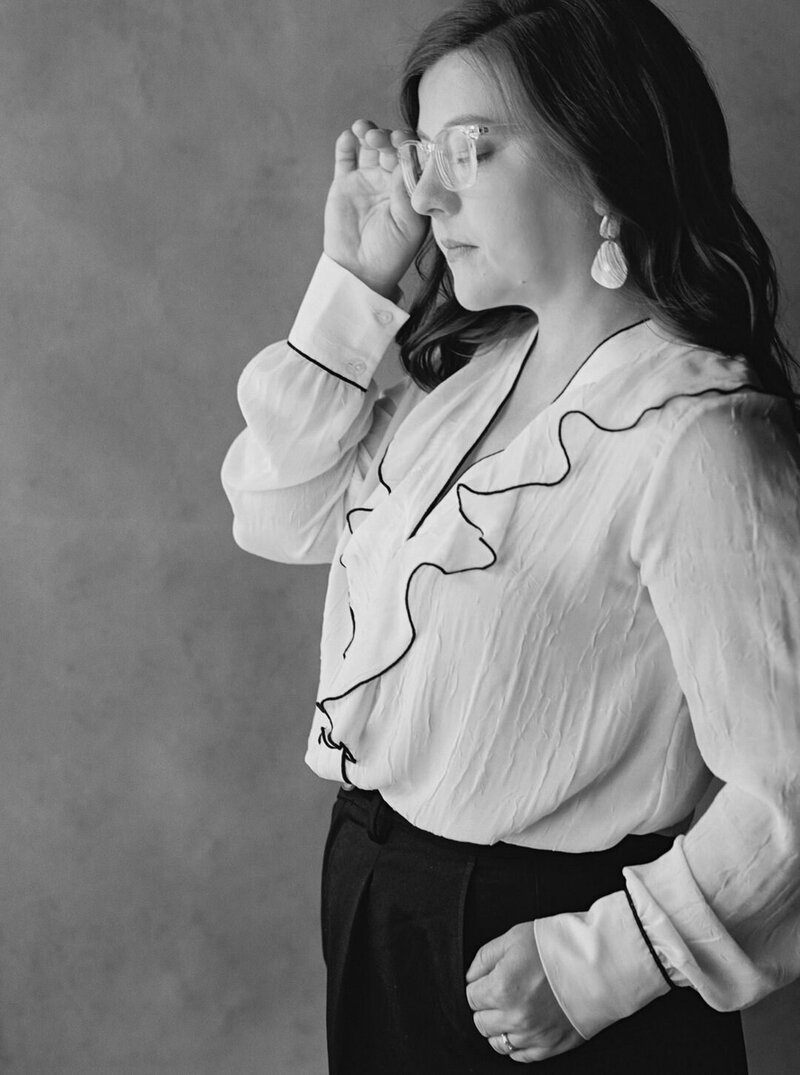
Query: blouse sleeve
[717,542]
[315,421]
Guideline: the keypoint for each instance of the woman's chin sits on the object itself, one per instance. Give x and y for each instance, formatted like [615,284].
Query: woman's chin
[470,297]
[475,301]
[475,293]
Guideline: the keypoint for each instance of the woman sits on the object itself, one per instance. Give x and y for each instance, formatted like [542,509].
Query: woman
[563,559]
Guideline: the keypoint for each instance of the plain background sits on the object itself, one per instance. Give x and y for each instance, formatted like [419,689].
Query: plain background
[163,165]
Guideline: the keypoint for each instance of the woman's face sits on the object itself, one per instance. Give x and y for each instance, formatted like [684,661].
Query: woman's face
[526,235]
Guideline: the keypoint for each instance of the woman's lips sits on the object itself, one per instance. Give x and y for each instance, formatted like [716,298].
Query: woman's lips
[454,249]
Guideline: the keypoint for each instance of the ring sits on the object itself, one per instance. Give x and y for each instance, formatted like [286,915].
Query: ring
[509,1047]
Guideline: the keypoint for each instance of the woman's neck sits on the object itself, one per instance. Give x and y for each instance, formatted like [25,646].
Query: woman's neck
[570,330]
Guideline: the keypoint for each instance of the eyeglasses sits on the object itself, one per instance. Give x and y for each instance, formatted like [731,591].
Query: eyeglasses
[454,152]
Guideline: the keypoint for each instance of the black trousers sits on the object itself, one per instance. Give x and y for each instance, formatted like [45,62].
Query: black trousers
[404,913]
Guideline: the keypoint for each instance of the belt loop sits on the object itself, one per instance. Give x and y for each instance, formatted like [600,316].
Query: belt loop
[379,822]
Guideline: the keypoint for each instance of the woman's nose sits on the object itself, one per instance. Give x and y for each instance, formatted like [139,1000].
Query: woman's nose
[430,194]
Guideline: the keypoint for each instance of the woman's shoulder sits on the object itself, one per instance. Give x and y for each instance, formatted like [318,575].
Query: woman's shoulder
[657,377]
[664,393]
[709,413]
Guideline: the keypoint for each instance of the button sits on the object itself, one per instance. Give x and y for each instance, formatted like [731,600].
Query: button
[384,316]
[356,367]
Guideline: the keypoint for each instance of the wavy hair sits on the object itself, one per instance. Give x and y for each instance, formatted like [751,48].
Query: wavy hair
[626,108]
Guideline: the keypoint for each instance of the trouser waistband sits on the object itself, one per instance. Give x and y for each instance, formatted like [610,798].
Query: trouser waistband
[381,822]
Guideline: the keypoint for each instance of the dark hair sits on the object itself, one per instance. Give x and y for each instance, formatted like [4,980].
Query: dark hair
[620,97]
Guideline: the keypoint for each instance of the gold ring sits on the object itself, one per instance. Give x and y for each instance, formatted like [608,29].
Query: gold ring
[508,1046]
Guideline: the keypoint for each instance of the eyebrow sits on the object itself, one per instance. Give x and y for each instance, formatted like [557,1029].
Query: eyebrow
[458,121]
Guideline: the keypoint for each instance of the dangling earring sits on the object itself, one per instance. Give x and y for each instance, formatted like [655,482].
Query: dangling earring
[609,268]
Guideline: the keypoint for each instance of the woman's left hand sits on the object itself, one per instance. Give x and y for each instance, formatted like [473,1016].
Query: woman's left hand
[509,994]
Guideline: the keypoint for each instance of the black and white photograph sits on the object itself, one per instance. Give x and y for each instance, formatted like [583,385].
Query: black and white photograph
[400,537]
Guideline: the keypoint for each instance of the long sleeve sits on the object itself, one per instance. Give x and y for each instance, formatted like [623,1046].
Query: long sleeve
[315,421]
[717,543]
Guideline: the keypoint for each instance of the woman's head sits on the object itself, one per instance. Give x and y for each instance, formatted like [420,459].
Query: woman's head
[623,103]
[523,236]
[627,119]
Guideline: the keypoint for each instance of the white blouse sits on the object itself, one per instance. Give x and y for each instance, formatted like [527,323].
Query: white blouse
[560,650]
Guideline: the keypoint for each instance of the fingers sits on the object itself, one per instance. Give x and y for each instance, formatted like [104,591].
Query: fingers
[376,146]
[387,154]
[351,150]
[503,1044]
[528,1043]
[402,134]
[518,1045]
[491,1023]
[345,154]
[367,157]
[365,145]
[486,959]
[521,1046]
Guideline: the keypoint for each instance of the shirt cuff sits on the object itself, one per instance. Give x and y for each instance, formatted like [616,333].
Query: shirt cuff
[344,326]
[597,964]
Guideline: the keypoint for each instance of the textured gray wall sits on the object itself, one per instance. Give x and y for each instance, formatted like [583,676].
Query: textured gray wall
[163,165]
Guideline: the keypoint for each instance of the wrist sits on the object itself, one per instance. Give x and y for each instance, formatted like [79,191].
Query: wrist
[389,291]
[388,287]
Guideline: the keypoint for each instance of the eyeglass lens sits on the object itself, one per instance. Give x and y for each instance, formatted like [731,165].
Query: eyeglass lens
[454,155]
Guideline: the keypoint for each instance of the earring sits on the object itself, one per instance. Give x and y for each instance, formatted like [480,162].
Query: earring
[609,268]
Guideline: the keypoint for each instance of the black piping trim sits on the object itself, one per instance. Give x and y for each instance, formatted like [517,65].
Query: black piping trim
[448,484]
[321,705]
[450,481]
[381,478]
[594,351]
[611,429]
[353,632]
[333,373]
[325,737]
[388,488]
[352,511]
[648,942]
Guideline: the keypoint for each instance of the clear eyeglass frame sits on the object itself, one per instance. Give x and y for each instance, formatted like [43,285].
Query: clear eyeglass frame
[454,152]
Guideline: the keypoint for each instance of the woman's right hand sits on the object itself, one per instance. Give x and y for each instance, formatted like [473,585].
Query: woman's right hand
[370,228]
